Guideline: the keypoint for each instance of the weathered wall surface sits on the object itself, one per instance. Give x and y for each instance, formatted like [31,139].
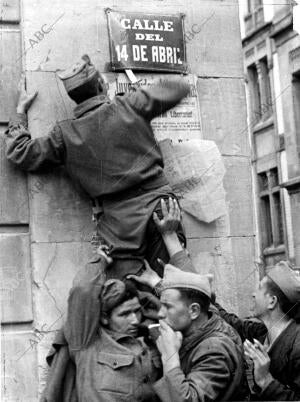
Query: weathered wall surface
[57,222]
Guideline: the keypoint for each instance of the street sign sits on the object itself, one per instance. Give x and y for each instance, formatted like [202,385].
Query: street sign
[147,42]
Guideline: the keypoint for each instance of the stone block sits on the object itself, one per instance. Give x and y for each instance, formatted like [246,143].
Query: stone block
[10,70]
[9,10]
[247,272]
[238,187]
[15,267]
[59,212]
[14,200]
[215,255]
[83,24]
[239,219]
[51,105]
[232,262]
[55,265]
[211,52]
[215,51]
[19,368]
[223,114]
[197,229]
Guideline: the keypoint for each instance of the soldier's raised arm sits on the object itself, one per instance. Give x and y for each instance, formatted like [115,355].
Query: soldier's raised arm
[27,153]
[160,97]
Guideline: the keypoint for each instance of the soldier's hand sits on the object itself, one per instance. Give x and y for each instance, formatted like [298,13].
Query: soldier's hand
[258,353]
[148,276]
[171,217]
[169,343]
[25,99]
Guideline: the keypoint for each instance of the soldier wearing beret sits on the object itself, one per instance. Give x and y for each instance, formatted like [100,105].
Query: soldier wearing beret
[272,344]
[202,355]
[117,364]
[103,353]
[110,151]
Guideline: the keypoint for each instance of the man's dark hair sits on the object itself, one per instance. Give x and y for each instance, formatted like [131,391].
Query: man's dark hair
[190,296]
[86,91]
[129,294]
[287,307]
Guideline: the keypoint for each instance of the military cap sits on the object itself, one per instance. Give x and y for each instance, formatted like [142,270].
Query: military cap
[175,278]
[112,292]
[115,292]
[287,280]
[78,74]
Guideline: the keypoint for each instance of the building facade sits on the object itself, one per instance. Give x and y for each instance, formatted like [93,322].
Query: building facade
[271,61]
[45,224]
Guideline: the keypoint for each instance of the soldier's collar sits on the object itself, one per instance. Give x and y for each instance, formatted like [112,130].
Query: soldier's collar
[90,104]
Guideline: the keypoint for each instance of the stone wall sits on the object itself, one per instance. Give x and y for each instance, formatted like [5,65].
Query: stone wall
[46,222]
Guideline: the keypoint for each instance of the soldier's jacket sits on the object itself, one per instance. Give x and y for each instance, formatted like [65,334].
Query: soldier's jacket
[82,329]
[109,147]
[116,368]
[93,364]
[211,360]
[110,367]
[284,354]
[110,151]
[211,366]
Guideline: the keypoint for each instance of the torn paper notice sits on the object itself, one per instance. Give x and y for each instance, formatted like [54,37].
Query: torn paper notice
[180,123]
[195,171]
[193,166]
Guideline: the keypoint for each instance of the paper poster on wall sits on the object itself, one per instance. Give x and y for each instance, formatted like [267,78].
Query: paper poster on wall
[193,166]
[152,42]
[195,171]
[181,123]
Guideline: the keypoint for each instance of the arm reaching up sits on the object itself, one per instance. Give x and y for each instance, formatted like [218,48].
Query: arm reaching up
[27,153]
[160,97]
[167,227]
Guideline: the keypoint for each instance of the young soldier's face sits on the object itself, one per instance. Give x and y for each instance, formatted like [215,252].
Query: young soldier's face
[174,311]
[126,318]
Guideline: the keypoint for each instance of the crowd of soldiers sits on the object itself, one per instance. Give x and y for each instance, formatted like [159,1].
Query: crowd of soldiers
[142,323]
